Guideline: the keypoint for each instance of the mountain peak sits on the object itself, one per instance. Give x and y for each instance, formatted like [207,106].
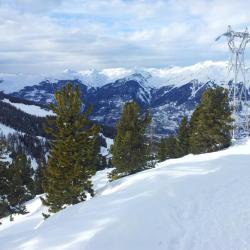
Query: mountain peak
[150,77]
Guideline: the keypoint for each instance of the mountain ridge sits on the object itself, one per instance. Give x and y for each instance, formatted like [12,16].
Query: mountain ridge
[155,77]
[168,103]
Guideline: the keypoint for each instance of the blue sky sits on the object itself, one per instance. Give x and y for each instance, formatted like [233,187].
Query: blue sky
[41,36]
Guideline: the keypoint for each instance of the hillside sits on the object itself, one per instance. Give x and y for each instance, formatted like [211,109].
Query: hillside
[30,109]
[195,202]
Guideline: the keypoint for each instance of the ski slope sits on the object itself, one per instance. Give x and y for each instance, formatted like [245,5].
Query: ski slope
[199,202]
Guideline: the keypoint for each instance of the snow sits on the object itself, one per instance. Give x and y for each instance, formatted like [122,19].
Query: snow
[105,151]
[30,109]
[34,163]
[197,202]
[100,179]
[149,77]
[23,224]
[5,130]
[13,82]
[156,77]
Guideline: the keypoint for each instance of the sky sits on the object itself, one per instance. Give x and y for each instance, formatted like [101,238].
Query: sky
[46,36]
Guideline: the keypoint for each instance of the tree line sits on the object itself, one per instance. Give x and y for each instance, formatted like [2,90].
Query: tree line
[208,130]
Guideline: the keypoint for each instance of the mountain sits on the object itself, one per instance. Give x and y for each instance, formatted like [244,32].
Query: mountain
[28,117]
[22,124]
[196,202]
[155,77]
[169,93]
[18,115]
[169,104]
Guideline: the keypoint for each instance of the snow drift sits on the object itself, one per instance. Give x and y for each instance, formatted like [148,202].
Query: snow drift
[195,202]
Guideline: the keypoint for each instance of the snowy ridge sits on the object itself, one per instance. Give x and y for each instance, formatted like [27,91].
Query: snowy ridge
[151,77]
[197,202]
[30,109]
[5,130]
[203,72]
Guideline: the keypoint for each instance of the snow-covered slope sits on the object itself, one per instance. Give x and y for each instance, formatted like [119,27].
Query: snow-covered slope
[13,82]
[5,130]
[177,76]
[23,224]
[196,202]
[30,109]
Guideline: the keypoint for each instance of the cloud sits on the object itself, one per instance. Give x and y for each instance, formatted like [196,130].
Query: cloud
[51,35]
[31,6]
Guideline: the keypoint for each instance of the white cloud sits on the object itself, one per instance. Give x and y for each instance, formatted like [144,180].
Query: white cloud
[50,35]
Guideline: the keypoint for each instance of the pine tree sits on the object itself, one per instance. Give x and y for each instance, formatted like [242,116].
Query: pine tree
[110,163]
[16,183]
[171,147]
[21,186]
[211,122]
[4,181]
[196,140]
[130,151]
[39,176]
[162,150]
[72,156]
[183,138]
[90,158]
[167,148]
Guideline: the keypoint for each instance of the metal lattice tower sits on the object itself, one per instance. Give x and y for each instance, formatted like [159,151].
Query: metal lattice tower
[236,80]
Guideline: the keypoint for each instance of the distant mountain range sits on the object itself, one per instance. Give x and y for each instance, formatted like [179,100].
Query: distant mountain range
[152,77]
[169,93]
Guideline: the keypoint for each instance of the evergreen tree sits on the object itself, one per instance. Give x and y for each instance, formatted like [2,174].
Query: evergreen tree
[130,151]
[211,122]
[21,186]
[162,150]
[167,148]
[110,163]
[90,158]
[171,147]
[102,163]
[183,138]
[16,183]
[72,156]
[4,181]
[39,176]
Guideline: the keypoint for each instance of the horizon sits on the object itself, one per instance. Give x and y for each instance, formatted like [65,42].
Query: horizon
[151,77]
[48,36]
[133,69]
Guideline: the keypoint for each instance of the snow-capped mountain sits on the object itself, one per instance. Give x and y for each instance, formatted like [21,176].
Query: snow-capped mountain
[154,77]
[169,93]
